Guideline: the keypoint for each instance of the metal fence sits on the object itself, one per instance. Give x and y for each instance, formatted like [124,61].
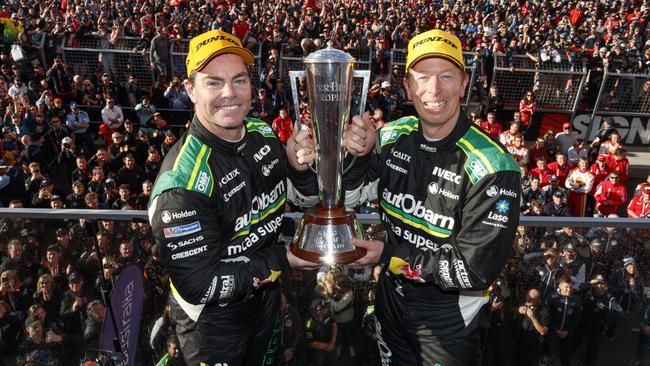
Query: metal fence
[623,94]
[85,56]
[557,86]
[398,68]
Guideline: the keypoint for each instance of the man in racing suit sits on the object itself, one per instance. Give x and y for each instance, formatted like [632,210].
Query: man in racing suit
[449,196]
[216,210]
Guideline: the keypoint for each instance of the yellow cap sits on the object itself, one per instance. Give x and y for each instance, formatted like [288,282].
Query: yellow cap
[435,43]
[208,45]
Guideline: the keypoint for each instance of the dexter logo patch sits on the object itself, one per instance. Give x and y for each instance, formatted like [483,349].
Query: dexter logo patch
[176,231]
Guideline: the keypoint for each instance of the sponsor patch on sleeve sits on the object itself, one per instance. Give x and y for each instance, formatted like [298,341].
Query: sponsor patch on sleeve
[182,230]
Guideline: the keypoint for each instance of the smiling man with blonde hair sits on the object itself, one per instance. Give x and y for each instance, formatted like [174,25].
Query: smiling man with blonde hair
[449,194]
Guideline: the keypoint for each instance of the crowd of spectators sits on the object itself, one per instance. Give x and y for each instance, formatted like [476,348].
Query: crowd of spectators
[54,154]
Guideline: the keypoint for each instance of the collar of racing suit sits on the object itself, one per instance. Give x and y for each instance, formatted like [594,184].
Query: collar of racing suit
[214,142]
[449,142]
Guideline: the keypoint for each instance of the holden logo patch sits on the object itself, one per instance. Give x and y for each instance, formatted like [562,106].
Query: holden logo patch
[433,188]
[492,191]
[166,217]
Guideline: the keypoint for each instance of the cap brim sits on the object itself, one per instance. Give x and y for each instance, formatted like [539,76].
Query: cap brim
[239,51]
[434,55]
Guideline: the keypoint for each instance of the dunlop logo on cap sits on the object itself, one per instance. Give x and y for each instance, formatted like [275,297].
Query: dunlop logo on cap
[435,39]
[213,39]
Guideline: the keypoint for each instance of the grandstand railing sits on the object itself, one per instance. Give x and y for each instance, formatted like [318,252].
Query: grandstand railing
[398,65]
[372,218]
[558,86]
[623,95]
[179,117]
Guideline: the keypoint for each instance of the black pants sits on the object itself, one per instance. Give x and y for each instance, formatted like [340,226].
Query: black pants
[404,341]
[240,333]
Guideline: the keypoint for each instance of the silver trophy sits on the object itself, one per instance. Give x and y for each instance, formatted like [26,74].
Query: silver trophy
[325,232]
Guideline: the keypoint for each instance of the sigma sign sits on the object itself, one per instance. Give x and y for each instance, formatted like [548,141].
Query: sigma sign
[633,130]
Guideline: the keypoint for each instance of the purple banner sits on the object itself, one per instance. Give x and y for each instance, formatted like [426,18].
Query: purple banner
[126,299]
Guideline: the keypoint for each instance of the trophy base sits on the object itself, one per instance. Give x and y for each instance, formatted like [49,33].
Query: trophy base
[325,235]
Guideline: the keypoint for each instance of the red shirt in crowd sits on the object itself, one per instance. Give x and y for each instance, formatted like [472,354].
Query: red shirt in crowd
[311,4]
[543,175]
[560,171]
[575,15]
[493,129]
[639,206]
[240,28]
[621,166]
[609,196]
[600,174]
[527,110]
[283,127]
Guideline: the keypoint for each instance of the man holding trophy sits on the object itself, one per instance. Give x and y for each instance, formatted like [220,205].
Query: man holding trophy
[217,206]
[449,196]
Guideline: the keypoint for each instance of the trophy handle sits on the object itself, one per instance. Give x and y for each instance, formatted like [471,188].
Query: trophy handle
[293,75]
[365,75]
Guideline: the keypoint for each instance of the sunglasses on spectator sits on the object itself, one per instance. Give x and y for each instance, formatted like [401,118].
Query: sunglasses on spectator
[613,177]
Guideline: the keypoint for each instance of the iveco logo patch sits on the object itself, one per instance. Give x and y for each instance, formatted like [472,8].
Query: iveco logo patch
[261,153]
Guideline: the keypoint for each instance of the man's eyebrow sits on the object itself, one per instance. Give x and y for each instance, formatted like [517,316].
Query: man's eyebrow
[219,78]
